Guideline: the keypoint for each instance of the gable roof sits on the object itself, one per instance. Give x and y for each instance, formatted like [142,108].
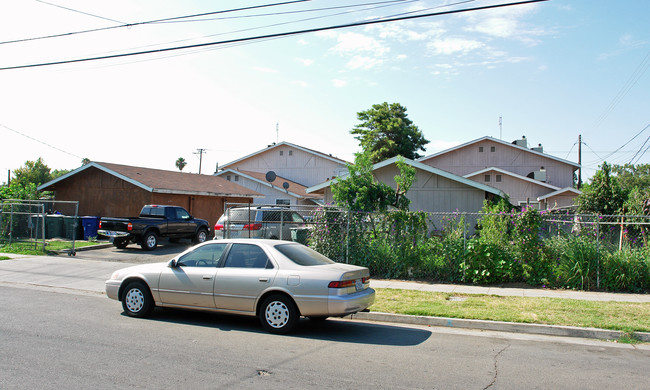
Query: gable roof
[284,143]
[505,143]
[560,192]
[295,189]
[507,173]
[162,181]
[423,167]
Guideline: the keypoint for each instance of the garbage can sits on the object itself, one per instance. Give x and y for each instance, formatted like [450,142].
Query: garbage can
[300,234]
[54,226]
[72,228]
[90,226]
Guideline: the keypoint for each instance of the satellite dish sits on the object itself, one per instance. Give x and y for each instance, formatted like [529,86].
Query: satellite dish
[270,176]
[285,185]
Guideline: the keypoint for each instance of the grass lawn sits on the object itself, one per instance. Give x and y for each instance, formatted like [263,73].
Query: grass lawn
[623,316]
[51,247]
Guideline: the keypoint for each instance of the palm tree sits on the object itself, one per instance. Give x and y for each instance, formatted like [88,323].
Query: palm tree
[181,163]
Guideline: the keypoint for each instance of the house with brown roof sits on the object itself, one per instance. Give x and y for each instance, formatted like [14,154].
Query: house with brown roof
[114,190]
[293,168]
[526,175]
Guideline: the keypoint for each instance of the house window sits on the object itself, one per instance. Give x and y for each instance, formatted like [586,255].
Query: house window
[480,149]
[493,149]
[291,153]
[282,153]
[487,178]
[283,202]
[228,177]
[236,177]
[498,179]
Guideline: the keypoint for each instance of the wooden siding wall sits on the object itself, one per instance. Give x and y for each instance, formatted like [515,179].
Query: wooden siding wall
[468,160]
[302,167]
[270,194]
[104,195]
[518,190]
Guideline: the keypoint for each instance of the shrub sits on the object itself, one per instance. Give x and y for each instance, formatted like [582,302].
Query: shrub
[578,263]
[626,270]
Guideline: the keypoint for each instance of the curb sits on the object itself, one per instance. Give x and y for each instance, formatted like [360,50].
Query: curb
[499,326]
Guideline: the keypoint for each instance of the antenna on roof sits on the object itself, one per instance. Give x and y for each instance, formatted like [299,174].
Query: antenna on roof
[500,129]
[277,132]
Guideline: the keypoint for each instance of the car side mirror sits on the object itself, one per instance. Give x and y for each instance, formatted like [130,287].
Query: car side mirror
[173,263]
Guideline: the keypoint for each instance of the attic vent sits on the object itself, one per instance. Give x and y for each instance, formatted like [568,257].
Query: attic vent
[538,175]
[538,148]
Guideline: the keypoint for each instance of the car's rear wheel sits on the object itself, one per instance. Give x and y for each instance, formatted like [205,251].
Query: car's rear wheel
[120,243]
[149,241]
[278,314]
[137,300]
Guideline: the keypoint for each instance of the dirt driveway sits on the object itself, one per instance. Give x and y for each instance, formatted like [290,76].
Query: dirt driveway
[134,254]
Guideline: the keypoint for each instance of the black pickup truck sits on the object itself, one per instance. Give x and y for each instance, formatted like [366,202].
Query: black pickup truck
[154,221]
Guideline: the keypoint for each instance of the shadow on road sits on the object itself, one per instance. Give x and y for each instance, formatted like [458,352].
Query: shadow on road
[329,330]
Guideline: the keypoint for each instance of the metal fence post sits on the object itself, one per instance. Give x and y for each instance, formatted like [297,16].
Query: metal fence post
[598,252]
[347,240]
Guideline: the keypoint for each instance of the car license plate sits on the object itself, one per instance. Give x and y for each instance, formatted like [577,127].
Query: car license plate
[358,284]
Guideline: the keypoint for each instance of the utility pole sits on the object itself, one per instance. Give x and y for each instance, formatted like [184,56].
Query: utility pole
[580,160]
[200,153]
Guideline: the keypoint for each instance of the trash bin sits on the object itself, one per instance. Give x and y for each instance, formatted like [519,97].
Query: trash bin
[54,226]
[300,234]
[90,226]
[72,228]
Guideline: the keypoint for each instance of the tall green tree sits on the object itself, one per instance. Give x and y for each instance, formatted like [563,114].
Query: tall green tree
[181,163]
[603,195]
[35,172]
[632,176]
[386,131]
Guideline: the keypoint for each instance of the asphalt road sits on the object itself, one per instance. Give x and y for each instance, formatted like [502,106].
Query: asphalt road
[75,339]
[133,253]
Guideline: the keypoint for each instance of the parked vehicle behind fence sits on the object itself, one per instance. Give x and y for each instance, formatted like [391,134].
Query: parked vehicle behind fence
[258,222]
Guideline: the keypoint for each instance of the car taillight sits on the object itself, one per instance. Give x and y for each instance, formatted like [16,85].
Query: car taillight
[253,226]
[341,283]
[218,226]
[129,226]
[100,224]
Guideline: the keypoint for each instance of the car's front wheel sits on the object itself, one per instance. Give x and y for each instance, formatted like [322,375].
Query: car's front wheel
[137,300]
[201,236]
[278,314]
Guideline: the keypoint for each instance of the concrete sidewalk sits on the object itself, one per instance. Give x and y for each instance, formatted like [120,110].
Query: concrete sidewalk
[72,275]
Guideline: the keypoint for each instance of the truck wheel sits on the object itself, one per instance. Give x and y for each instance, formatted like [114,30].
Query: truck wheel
[149,241]
[201,236]
[121,244]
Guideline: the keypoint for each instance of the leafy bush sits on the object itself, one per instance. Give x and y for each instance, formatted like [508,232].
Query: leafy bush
[578,263]
[627,270]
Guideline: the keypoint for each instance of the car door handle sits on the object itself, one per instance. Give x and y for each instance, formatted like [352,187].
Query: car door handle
[207,277]
[264,280]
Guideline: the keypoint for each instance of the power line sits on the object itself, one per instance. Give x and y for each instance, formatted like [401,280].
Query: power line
[81,12]
[284,34]
[123,25]
[632,159]
[39,141]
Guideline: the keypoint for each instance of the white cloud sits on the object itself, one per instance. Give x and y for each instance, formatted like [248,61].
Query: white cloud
[338,83]
[449,46]
[305,61]
[300,83]
[361,62]
[354,42]
[302,42]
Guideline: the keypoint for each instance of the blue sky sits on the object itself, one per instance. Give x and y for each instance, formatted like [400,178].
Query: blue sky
[550,70]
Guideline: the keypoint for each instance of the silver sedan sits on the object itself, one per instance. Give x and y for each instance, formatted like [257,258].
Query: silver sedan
[277,281]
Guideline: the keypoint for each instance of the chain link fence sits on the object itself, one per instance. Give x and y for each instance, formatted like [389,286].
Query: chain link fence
[40,224]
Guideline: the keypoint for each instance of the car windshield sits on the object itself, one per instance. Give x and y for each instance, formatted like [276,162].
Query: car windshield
[303,255]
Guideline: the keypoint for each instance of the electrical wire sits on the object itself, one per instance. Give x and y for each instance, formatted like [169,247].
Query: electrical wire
[284,34]
[81,12]
[39,141]
[638,151]
[128,25]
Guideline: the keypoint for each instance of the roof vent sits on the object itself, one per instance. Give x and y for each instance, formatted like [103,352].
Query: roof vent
[538,148]
[521,142]
[538,175]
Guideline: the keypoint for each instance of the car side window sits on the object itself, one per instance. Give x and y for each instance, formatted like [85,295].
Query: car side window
[247,256]
[203,256]
[182,214]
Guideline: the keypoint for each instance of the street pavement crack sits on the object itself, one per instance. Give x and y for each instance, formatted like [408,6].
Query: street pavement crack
[496,367]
